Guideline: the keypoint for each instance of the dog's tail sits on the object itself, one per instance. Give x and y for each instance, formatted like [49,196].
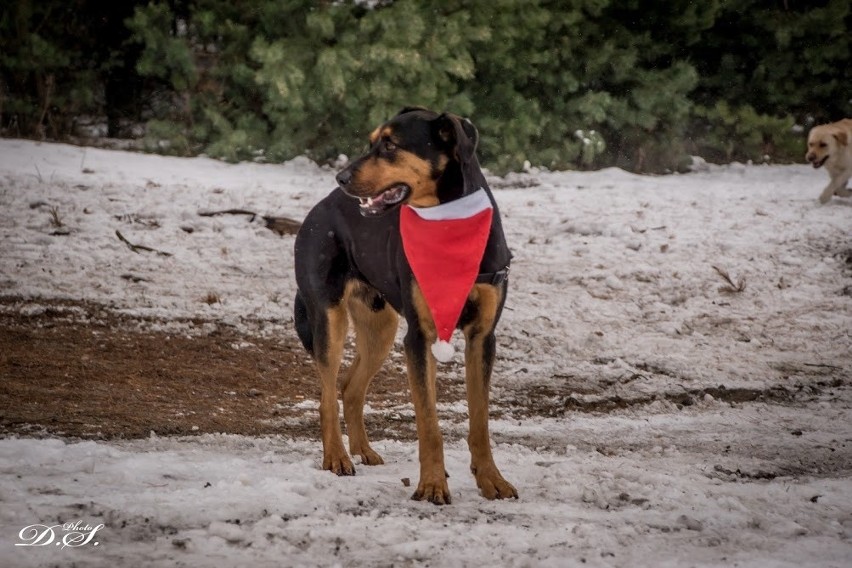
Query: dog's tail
[303,323]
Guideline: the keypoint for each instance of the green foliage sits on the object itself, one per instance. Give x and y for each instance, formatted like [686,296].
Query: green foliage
[580,67]
[167,137]
[165,56]
[780,58]
[560,84]
[783,64]
[59,60]
[349,70]
[741,133]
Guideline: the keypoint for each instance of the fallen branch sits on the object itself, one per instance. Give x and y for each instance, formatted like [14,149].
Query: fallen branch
[823,366]
[228,212]
[732,287]
[280,225]
[137,248]
[135,279]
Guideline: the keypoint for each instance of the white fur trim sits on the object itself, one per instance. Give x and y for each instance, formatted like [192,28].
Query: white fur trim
[467,206]
[443,351]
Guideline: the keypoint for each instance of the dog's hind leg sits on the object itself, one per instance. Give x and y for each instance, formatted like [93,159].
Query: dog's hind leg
[844,191]
[375,324]
[329,338]
[481,314]
[303,323]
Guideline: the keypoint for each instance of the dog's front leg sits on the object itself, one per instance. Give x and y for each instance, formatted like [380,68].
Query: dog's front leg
[329,338]
[480,352]
[421,378]
[836,185]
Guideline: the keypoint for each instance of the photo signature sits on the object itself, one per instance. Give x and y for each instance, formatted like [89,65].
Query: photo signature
[64,535]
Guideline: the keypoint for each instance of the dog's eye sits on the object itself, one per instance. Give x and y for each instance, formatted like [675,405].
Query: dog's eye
[822,144]
[388,146]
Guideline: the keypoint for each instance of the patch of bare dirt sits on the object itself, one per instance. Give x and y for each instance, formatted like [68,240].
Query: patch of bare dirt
[79,370]
[82,370]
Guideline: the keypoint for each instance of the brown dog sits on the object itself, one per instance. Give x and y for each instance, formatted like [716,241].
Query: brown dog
[830,145]
[351,267]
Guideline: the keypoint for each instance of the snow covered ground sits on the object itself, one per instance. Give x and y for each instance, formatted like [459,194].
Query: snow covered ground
[682,423]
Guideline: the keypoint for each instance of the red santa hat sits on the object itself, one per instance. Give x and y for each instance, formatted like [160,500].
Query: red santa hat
[444,247]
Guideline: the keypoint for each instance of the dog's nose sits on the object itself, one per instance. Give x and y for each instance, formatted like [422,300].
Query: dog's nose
[344,177]
[810,157]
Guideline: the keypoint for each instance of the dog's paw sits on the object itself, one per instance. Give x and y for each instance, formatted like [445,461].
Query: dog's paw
[845,192]
[824,198]
[435,491]
[338,464]
[369,456]
[491,483]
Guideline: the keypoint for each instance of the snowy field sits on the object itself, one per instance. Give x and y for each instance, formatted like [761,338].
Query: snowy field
[684,420]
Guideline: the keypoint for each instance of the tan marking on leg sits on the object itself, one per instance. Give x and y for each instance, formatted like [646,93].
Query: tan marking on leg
[374,335]
[477,379]
[433,485]
[424,315]
[334,454]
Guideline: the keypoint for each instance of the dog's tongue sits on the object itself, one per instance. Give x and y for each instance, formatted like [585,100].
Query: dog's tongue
[388,197]
[392,195]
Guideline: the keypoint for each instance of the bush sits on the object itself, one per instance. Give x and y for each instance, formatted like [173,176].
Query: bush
[765,67]
[742,134]
[62,61]
[580,84]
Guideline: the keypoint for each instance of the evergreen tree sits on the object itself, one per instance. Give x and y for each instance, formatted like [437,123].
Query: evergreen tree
[63,60]
[556,72]
[765,66]
[558,83]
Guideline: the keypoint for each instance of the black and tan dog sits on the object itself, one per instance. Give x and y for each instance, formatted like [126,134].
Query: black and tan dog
[351,266]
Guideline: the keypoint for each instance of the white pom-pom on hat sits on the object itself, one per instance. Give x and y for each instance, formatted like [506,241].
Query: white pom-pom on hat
[443,350]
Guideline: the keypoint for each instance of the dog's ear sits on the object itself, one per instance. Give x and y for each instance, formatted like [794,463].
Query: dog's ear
[458,133]
[461,136]
[842,137]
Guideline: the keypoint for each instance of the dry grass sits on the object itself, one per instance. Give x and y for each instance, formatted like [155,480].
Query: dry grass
[55,217]
[731,286]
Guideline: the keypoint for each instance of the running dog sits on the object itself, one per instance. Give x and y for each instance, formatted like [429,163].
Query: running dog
[830,145]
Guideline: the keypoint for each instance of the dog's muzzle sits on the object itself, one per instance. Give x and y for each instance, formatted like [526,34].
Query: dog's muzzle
[812,158]
[374,205]
[384,201]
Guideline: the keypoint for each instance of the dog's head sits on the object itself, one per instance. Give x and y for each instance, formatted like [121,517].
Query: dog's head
[823,142]
[418,157]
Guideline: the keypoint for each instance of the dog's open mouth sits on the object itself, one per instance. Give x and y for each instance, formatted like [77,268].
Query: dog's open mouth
[394,195]
[820,163]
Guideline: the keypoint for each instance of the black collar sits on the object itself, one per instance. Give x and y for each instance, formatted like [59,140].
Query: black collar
[493,278]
